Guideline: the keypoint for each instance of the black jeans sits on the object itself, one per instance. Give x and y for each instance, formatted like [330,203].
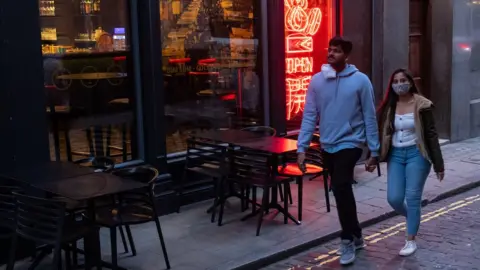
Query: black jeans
[340,166]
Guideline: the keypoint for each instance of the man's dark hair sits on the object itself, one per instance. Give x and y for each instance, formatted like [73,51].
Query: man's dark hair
[346,45]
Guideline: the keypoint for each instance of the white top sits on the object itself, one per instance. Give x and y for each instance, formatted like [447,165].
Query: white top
[404,135]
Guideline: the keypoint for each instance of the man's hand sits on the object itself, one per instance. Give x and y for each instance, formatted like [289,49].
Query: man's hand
[371,164]
[301,162]
[440,176]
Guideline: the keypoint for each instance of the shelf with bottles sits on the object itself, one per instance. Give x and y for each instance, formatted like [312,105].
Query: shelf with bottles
[89,7]
[46,8]
[48,34]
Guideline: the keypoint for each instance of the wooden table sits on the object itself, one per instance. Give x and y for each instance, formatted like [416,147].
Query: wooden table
[230,136]
[274,145]
[50,171]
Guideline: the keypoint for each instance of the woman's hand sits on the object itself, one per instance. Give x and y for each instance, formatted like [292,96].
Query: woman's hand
[440,176]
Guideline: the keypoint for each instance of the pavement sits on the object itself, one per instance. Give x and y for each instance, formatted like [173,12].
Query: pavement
[449,238]
[195,243]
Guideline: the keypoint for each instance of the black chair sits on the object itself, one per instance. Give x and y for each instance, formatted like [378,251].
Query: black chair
[261,130]
[205,159]
[313,165]
[132,208]
[253,169]
[44,222]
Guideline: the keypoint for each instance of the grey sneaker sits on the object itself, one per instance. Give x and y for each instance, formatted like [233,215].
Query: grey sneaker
[348,252]
[358,242]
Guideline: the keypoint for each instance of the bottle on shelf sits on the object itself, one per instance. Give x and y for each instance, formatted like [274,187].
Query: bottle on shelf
[96,6]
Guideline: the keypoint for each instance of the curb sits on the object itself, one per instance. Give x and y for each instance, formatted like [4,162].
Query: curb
[271,259]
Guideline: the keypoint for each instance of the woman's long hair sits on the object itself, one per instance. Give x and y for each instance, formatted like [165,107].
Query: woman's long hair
[391,98]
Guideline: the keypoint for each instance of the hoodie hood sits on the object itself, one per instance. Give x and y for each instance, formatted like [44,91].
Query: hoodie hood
[330,73]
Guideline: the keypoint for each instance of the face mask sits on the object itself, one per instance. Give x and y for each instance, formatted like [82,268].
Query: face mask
[401,88]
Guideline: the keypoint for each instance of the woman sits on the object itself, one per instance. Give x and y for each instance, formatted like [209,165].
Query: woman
[409,145]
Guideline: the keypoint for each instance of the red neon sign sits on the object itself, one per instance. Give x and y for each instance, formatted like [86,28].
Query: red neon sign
[303,22]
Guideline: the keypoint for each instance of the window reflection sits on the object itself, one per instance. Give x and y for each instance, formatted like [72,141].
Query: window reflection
[86,68]
[211,74]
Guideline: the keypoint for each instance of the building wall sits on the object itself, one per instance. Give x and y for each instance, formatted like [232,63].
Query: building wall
[440,47]
[390,37]
[357,27]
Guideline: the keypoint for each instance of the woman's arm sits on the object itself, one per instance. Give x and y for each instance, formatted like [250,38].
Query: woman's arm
[431,139]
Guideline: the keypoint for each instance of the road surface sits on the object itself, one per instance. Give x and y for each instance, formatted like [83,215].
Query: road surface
[449,238]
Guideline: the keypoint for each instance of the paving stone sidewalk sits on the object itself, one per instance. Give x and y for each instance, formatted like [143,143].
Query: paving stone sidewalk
[195,243]
[448,238]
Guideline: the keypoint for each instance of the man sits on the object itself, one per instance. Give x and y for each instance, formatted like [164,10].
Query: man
[342,98]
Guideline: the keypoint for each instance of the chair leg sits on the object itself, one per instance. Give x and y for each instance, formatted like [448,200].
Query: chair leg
[159,231]
[326,189]
[280,191]
[289,193]
[13,249]
[68,259]
[247,196]
[215,198]
[74,254]
[130,240]
[122,236]
[300,197]
[262,209]
[222,202]
[113,243]
[57,257]
[286,188]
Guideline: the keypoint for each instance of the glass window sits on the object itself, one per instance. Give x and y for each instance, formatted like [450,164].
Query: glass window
[210,62]
[87,71]
[309,26]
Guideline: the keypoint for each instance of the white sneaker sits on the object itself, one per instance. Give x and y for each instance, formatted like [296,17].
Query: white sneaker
[409,248]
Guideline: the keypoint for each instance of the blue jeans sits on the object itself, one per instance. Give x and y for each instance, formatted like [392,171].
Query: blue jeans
[407,172]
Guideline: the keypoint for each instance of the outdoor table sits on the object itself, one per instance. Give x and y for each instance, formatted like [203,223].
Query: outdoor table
[277,146]
[230,136]
[77,183]
[45,172]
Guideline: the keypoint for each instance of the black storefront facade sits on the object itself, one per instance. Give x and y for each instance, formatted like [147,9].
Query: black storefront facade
[89,78]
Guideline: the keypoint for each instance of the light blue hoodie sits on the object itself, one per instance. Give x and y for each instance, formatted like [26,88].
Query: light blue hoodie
[345,104]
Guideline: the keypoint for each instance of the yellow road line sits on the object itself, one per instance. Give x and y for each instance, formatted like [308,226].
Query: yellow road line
[397,228]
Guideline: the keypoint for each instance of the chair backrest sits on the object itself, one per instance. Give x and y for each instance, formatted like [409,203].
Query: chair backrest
[262,130]
[313,155]
[40,220]
[7,210]
[250,166]
[143,174]
[206,155]
[104,164]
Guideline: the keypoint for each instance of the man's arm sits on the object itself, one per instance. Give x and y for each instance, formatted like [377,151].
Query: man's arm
[309,120]
[367,100]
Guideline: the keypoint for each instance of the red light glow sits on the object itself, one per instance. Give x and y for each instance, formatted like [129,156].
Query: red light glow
[303,20]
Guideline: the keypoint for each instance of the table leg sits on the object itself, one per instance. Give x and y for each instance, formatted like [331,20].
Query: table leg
[92,242]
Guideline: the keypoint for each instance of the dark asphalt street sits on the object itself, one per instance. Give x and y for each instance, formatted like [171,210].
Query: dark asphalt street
[449,238]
